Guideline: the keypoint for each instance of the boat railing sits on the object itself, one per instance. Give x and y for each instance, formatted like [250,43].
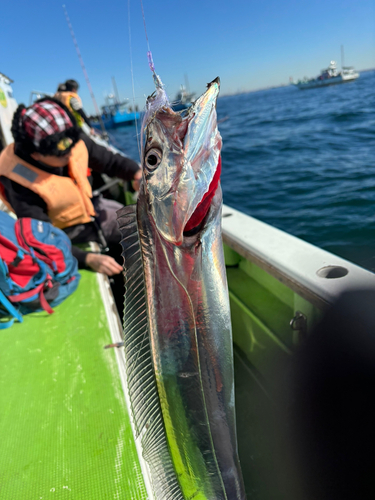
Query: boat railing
[313,273]
[36,94]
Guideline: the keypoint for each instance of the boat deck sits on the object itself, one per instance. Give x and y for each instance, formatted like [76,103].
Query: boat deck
[64,428]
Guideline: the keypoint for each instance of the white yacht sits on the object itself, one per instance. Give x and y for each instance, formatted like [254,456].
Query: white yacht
[328,76]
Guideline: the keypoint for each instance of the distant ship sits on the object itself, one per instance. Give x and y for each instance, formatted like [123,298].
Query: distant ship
[328,76]
[115,113]
[183,99]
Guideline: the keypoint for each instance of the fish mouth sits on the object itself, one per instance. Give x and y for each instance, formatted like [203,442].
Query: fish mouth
[199,112]
[194,224]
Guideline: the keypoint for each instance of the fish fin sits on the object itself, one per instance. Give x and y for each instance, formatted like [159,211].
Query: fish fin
[143,394]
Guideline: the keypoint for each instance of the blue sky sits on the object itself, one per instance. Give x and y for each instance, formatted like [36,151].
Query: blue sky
[250,44]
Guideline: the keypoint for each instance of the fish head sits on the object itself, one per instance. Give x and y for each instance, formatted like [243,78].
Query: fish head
[181,162]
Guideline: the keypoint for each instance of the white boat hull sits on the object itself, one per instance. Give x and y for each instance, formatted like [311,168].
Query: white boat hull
[326,82]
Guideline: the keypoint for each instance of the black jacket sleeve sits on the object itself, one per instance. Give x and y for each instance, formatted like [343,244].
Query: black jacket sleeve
[105,162]
[84,116]
[80,255]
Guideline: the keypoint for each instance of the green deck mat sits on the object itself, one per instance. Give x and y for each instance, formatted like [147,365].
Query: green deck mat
[64,428]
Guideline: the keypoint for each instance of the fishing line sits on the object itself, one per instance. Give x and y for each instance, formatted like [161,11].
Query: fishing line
[132,75]
[149,53]
[84,71]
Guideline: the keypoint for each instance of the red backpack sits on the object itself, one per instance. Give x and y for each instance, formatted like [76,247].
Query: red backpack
[37,268]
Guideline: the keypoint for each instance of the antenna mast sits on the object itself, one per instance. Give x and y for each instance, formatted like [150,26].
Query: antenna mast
[342,57]
[115,90]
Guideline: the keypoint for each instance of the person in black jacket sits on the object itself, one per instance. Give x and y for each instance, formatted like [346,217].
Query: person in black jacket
[47,139]
[67,93]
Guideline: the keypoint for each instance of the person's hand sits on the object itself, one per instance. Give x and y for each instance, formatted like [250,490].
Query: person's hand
[103,264]
[136,182]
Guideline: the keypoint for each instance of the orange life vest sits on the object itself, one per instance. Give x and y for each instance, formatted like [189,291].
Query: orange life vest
[68,199]
[65,97]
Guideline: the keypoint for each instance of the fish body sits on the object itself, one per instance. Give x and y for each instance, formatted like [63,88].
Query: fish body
[177,328]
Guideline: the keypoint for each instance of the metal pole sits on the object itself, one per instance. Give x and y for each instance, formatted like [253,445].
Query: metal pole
[115,90]
[342,57]
[187,84]
[84,71]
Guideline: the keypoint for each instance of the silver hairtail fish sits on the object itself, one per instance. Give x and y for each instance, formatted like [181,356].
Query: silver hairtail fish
[177,328]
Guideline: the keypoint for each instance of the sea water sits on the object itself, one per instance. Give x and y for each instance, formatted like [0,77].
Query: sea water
[302,161]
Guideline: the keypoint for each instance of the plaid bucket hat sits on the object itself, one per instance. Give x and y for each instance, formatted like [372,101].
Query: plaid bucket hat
[46,127]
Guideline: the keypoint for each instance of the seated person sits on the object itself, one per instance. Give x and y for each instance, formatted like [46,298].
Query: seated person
[61,88]
[45,175]
[67,93]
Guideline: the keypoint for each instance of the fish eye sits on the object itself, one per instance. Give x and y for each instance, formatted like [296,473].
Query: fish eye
[153,159]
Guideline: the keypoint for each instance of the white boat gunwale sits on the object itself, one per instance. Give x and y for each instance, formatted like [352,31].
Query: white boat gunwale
[316,275]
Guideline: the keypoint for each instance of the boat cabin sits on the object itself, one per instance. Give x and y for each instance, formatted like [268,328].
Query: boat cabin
[330,72]
[8,105]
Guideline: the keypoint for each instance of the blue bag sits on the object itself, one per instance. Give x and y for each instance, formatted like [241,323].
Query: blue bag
[37,268]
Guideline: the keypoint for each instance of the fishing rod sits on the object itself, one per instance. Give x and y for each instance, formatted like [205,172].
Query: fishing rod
[85,73]
[132,77]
